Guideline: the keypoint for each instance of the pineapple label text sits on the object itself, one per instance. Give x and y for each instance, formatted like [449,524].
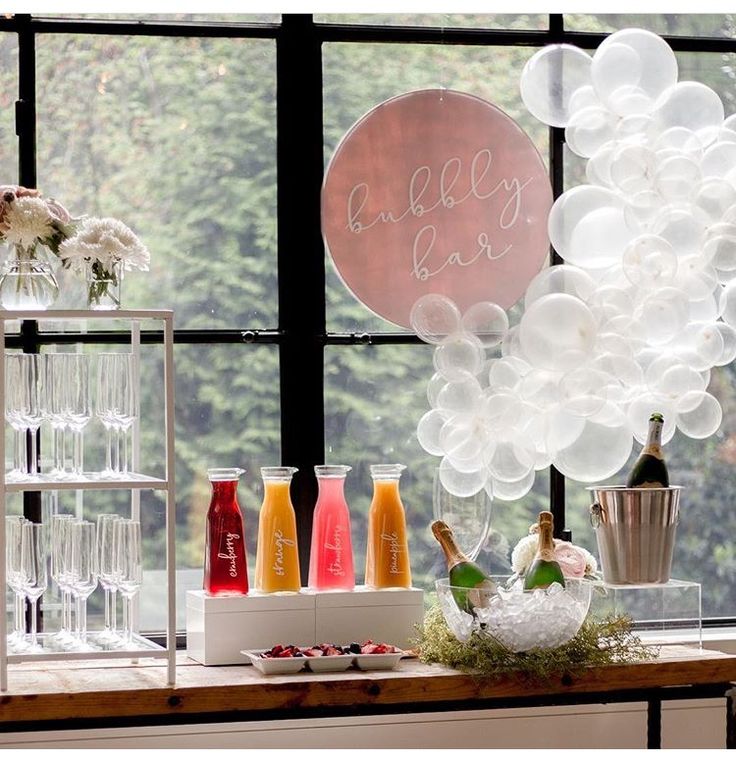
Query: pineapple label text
[394,549]
[335,567]
[280,541]
[230,554]
[425,193]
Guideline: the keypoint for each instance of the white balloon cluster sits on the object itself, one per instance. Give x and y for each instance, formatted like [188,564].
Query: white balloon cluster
[644,306]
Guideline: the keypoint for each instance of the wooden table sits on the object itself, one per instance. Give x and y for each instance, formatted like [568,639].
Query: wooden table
[78,694]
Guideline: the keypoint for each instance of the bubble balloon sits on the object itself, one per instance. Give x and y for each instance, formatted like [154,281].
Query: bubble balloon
[457,355]
[649,258]
[549,80]
[599,238]
[460,484]
[502,412]
[598,168]
[582,98]
[584,391]
[719,160]
[713,197]
[692,105]
[487,321]
[557,332]
[589,130]
[679,380]
[728,334]
[461,395]
[632,168]
[655,69]
[727,304]
[434,317]
[616,70]
[562,278]
[428,432]
[512,459]
[675,178]
[664,315]
[435,385]
[601,450]
[540,387]
[699,415]
[563,428]
[642,209]
[681,229]
[505,374]
[512,490]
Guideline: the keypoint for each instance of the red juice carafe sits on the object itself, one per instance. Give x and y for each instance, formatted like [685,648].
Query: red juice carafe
[225,563]
[331,555]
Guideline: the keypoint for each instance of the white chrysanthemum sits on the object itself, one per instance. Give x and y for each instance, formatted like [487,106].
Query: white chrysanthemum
[523,554]
[106,241]
[27,221]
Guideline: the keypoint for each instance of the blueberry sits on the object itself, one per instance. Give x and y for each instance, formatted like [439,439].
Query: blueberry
[354,647]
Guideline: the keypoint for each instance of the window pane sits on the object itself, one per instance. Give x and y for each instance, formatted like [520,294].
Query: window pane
[374,398]
[496,21]
[8,96]
[682,24]
[359,77]
[176,137]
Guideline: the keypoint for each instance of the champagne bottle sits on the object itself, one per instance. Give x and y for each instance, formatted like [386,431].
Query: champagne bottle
[475,588]
[545,570]
[649,470]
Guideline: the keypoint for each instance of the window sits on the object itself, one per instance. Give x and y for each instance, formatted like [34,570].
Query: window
[179,125]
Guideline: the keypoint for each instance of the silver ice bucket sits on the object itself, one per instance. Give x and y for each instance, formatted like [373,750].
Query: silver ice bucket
[635,530]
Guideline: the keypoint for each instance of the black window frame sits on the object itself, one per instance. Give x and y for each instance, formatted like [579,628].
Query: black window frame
[301,334]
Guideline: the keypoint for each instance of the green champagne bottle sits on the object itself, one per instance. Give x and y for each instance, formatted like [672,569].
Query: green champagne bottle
[475,588]
[545,570]
[649,470]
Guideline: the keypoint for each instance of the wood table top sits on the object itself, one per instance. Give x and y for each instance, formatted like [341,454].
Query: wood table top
[118,690]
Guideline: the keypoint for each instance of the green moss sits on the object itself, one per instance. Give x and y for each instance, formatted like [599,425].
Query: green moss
[598,643]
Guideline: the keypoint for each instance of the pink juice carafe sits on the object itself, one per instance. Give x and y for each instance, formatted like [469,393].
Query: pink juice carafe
[331,556]
[225,564]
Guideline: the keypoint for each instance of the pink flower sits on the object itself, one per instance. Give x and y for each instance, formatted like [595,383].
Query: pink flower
[572,559]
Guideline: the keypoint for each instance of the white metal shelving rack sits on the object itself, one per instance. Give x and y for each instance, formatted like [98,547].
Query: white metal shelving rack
[142,647]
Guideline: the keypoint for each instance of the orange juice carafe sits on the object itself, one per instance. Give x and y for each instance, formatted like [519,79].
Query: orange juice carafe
[277,554]
[387,556]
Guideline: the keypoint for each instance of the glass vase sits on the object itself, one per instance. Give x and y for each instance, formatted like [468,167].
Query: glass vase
[104,286]
[27,282]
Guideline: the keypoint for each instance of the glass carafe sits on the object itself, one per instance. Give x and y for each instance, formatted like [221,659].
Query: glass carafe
[277,556]
[225,563]
[331,555]
[387,557]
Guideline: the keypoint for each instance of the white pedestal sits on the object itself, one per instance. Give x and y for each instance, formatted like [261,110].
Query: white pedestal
[383,615]
[218,628]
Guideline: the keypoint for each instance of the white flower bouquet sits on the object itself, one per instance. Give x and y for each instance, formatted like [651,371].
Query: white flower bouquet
[101,250]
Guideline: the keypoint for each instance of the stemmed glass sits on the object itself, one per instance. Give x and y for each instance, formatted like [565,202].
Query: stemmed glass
[34,576]
[61,573]
[83,578]
[14,578]
[23,407]
[116,405]
[53,400]
[78,407]
[128,568]
[108,576]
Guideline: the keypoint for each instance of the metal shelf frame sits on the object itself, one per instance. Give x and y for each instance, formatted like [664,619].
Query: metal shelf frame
[135,482]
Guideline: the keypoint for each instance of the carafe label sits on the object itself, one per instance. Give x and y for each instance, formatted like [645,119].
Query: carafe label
[335,567]
[394,548]
[280,542]
[231,554]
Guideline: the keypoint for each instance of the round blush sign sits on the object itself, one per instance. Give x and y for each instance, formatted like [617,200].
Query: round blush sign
[436,191]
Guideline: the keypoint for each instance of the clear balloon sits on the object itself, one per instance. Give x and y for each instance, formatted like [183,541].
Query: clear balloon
[664,314]
[679,380]
[582,98]
[719,160]
[508,491]
[624,368]
[695,277]
[563,428]
[615,66]
[713,197]
[681,229]
[466,442]
[558,332]
[461,395]
[562,278]
[599,238]
[487,321]
[549,80]
[589,130]
[512,459]
[457,355]
[720,251]
[727,304]
[699,415]
[434,317]
[584,390]
[539,387]
[679,139]
[632,168]
[428,431]
[460,484]
[505,374]
[675,178]
[649,259]
[598,168]
[642,209]
[651,74]
[692,105]
[601,450]
[502,412]
[728,334]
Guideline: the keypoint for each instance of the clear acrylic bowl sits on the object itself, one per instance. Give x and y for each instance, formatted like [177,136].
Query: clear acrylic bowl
[542,618]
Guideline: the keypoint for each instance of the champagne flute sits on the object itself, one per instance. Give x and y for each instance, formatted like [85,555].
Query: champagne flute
[14,578]
[128,568]
[83,574]
[108,576]
[78,410]
[53,398]
[13,411]
[61,573]
[111,404]
[34,575]
[31,405]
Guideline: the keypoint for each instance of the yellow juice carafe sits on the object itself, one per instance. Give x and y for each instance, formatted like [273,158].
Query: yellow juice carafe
[277,554]
[387,557]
